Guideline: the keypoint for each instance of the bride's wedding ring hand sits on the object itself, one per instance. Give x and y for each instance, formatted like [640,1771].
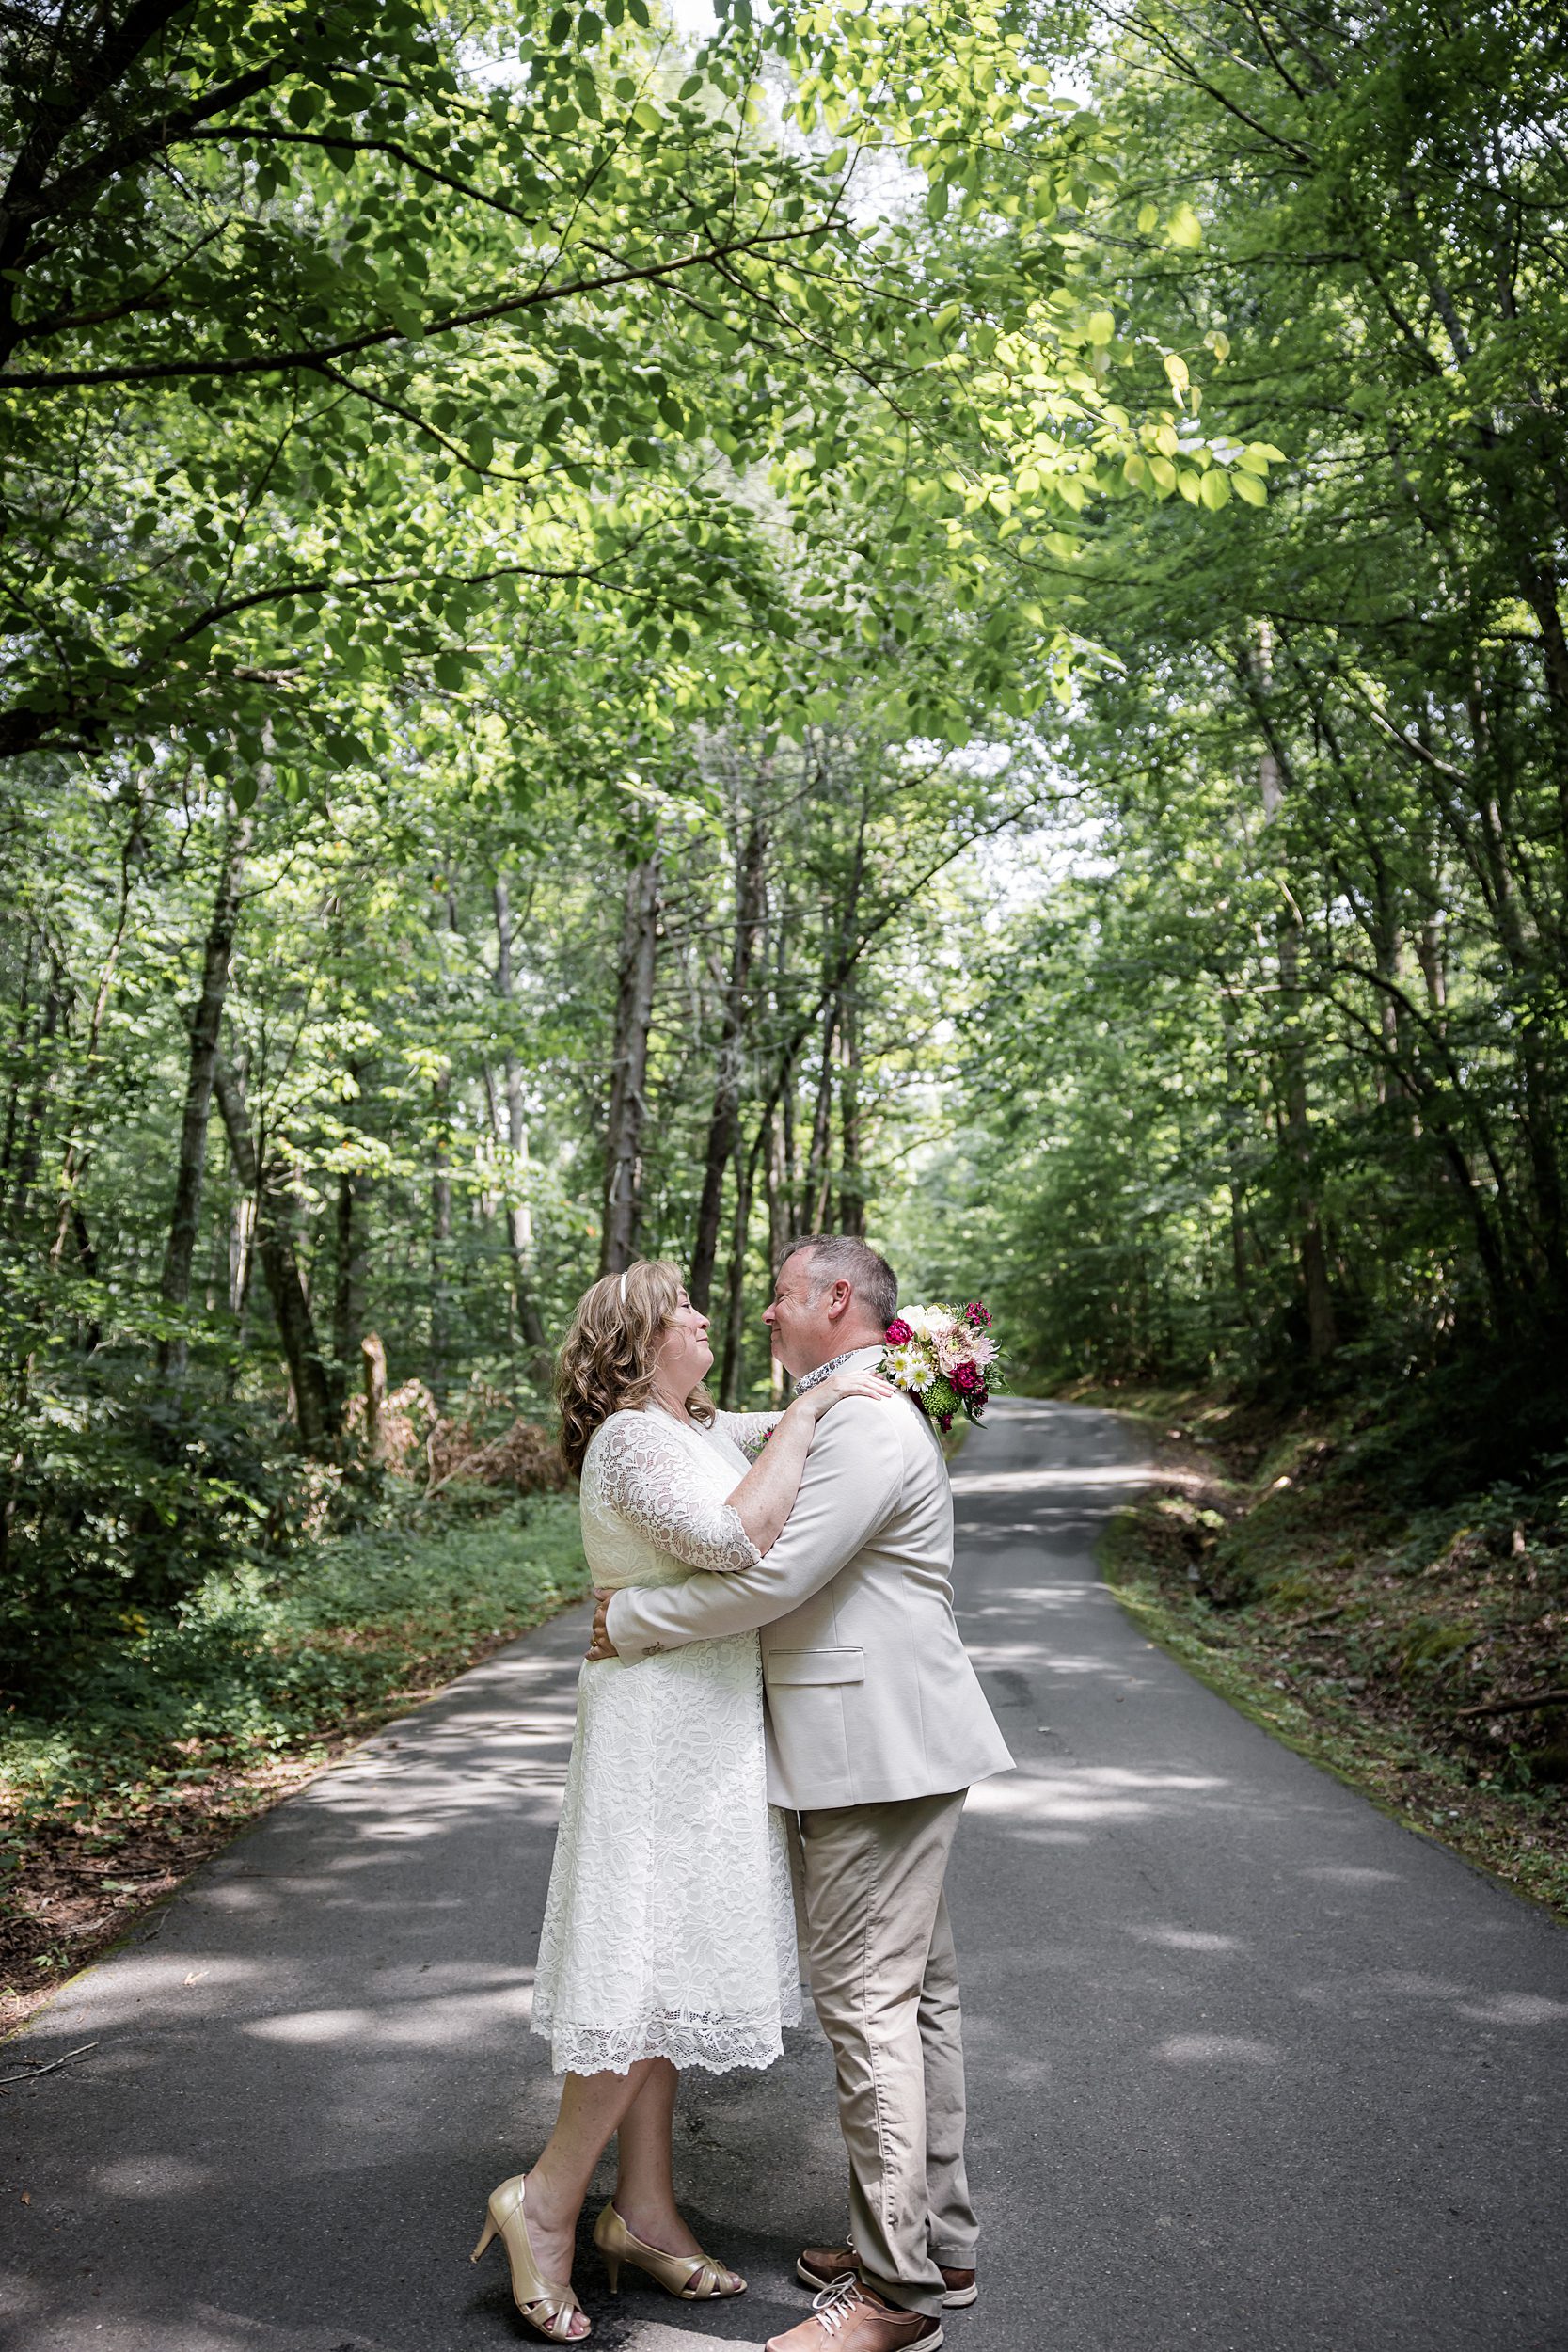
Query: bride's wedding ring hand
[600,1645]
[839,1385]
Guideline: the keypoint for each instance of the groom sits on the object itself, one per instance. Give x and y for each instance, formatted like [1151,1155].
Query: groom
[877,1726]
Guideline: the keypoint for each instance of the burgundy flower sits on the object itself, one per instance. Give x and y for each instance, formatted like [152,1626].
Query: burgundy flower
[966,1378]
[899,1332]
[977,1315]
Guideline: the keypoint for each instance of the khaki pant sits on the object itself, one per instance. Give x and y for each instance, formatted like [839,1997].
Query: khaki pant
[885,1983]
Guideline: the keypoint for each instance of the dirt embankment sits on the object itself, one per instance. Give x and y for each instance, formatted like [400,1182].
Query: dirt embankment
[1420,1652]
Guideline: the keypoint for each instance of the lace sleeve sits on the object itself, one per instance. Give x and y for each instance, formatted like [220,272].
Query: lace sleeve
[643,1474]
[748,1431]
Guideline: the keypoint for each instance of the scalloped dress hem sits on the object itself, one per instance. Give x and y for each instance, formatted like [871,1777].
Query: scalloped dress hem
[592,2050]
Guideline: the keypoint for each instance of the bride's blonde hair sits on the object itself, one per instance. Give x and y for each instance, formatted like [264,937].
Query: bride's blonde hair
[606,1360]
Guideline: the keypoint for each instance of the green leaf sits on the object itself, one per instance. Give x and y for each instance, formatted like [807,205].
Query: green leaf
[1184,229]
[1215,489]
[1249,490]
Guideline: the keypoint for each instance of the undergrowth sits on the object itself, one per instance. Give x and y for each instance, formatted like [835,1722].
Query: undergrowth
[147,1753]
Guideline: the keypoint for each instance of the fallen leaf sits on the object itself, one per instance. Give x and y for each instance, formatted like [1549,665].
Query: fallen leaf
[197,1976]
[26,2196]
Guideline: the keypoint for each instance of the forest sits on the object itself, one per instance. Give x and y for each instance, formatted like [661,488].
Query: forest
[628,635]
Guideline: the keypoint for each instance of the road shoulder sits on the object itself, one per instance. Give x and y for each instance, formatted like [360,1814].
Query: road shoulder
[1338,1650]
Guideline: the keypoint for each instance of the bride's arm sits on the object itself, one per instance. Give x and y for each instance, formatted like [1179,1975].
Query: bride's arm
[748,1431]
[639,1469]
[766,1496]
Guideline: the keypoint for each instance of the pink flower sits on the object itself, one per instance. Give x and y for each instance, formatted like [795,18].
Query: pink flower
[982,1347]
[977,1315]
[899,1332]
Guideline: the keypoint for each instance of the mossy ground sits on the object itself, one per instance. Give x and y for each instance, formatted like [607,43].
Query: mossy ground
[1390,1642]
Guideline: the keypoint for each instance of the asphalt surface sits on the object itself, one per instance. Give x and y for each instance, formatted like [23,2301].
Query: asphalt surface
[1251,2067]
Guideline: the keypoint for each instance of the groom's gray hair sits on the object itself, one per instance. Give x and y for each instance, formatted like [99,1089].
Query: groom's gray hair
[843,1258]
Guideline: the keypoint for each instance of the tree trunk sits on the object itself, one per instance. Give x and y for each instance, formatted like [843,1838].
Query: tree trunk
[520,1217]
[316,1402]
[348,1288]
[723,1120]
[18,1056]
[372,1358]
[1234,1135]
[851,1179]
[1322,1333]
[440,1236]
[206,1024]
[242,1238]
[818,1184]
[634,1006]
[32,1124]
[735,1291]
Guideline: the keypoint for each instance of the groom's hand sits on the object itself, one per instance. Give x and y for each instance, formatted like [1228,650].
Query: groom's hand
[601,1645]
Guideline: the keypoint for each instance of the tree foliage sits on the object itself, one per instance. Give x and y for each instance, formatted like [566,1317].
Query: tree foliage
[539,556]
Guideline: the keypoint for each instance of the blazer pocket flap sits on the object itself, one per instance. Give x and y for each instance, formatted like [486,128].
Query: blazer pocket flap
[795,1666]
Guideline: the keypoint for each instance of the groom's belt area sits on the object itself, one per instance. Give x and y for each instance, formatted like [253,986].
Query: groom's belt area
[804,1667]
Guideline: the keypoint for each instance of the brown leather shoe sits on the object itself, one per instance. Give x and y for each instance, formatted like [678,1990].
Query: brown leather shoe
[824,2266]
[847,2317]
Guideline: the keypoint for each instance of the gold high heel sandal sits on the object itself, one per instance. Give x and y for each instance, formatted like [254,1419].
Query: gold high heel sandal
[691,2278]
[547,2308]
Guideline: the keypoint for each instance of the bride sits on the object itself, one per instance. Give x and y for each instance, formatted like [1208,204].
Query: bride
[668,1935]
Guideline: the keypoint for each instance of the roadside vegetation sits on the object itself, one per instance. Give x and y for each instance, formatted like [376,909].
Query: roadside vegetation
[146,1750]
[1419,1647]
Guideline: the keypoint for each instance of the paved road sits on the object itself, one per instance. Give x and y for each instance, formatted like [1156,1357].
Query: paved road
[1252,2067]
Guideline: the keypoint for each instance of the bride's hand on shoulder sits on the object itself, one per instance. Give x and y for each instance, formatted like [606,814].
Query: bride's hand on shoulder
[838,1385]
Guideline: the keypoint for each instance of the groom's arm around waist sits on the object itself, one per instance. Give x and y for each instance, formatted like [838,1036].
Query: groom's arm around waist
[853,1477]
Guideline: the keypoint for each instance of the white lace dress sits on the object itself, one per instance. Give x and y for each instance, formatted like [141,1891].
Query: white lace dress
[670,1927]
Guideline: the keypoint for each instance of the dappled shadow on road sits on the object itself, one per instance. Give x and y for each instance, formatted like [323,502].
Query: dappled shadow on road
[1223,1992]
[1197,1976]
[314,2066]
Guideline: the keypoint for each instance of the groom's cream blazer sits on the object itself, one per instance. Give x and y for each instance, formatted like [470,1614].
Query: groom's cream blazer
[871,1695]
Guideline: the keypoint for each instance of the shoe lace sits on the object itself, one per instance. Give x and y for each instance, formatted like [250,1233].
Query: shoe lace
[836,2304]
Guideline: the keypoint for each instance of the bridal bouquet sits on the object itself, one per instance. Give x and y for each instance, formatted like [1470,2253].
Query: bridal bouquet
[943,1356]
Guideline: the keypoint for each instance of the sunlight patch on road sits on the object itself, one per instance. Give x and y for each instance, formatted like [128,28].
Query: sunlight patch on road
[1092,1792]
[448,2022]
[1344,1874]
[657,2335]
[1215,2049]
[1029,1482]
[1514,2009]
[1186,1940]
[152,2176]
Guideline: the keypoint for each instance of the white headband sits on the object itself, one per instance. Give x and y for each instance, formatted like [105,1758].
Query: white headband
[624,1287]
